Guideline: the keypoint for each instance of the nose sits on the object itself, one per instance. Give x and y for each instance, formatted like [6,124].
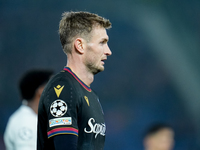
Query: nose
[108,51]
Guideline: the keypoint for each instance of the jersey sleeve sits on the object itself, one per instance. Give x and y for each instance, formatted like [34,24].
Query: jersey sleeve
[21,136]
[65,140]
[8,139]
[61,106]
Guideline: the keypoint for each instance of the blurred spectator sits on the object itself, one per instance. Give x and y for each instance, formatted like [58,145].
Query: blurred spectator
[159,137]
[21,130]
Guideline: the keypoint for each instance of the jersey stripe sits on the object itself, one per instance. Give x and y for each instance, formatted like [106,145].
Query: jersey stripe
[64,130]
[79,80]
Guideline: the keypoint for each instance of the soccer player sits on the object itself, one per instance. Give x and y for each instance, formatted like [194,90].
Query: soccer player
[159,137]
[70,116]
[21,130]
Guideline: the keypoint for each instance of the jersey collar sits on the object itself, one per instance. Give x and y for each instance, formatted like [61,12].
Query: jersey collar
[77,78]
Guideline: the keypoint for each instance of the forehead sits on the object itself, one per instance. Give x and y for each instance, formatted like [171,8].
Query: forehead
[98,33]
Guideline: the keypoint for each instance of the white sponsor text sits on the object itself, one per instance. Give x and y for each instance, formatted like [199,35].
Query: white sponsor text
[96,127]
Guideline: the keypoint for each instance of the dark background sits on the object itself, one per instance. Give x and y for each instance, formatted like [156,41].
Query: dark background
[152,76]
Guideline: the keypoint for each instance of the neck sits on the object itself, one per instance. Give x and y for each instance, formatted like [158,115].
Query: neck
[32,104]
[80,70]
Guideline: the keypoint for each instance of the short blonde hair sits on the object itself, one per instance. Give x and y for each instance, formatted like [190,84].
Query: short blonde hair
[81,24]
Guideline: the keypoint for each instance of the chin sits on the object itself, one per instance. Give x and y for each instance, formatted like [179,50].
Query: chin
[101,68]
[97,70]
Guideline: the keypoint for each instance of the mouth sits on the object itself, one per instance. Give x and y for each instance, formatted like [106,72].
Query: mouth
[103,60]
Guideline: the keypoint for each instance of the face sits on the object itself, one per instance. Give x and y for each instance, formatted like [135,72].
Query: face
[162,140]
[96,50]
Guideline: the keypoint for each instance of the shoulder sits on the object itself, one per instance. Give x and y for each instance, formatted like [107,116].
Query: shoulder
[61,79]
[58,83]
[61,87]
[21,115]
[21,112]
[22,119]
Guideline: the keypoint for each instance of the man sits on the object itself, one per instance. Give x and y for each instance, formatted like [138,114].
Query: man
[21,130]
[159,137]
[70,114]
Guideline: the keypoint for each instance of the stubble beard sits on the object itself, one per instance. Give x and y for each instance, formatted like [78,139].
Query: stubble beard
[94,69]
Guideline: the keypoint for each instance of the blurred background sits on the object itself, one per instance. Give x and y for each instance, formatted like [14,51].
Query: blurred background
[152,76]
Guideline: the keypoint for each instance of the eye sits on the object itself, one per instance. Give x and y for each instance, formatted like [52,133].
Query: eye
[103,42]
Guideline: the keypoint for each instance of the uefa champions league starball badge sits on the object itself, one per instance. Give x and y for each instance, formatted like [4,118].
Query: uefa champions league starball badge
[58,108]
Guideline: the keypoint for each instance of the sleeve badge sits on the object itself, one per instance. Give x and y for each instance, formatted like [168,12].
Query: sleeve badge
[58,108]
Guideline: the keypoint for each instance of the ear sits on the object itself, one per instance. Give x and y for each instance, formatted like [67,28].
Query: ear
[78,44]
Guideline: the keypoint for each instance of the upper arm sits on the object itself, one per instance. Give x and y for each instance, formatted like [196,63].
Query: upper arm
[21,136]
[61,107]
[8,140]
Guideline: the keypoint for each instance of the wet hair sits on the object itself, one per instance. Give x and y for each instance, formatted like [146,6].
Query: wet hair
[79,24]
[156,128]
[31,81]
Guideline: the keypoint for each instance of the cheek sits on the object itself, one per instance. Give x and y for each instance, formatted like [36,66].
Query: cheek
[97,52]
[91,58]
[94,53]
